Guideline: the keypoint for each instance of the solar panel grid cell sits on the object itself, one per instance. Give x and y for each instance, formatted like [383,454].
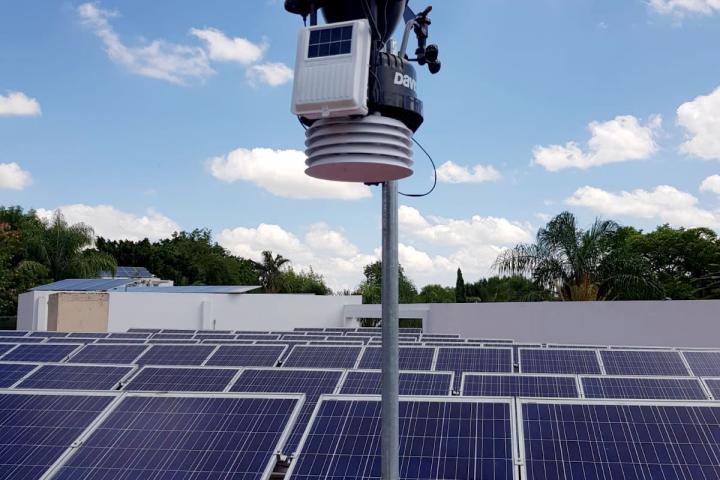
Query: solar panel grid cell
[368,382]
[48,334]
[703,364]
[108,354]
[119,340]
[14,333]
[176,355]
[83,341]
[520,386]
[713,385]
[40,353]
[643,362]
[202,437]
[11,373]
[144,330]
[206,336]
[409,358]
[76,377]
[131,335]
[439,440]
[181,379]
[173,336]
[88,335]
[256,336]
[303,338]
[6,347]
[22,339]
[247,355]
[548,360]
[173,341]
[317,356]
[643,388]
[473,359]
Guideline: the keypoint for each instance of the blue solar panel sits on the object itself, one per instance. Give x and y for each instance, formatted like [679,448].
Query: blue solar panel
[643,388]
[119,340]
[130,335]
[643,362]
[213,336]
[144,330]
[22,339]
[359,382]
[519,386]
[257,336]
[247,355]
[88,335]
[173,336]
[48,334]
[6,347]
[312,383]
[11,373]
[178,330]
[36,429]
[176,355]
[302,338]
[40,353]
[317,356]
[179,379]
[76,377]
[409,358]
[83,341]
[445,439]
[331,41]
[704,364]
[13,333]
[607,441]
[713,385]
[84,285]
[473,359]
[108,354]
[227,342]
[176,341]
[171,437]
[556,360]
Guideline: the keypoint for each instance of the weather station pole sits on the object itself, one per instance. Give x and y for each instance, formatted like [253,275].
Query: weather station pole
[357,99]
[390,432]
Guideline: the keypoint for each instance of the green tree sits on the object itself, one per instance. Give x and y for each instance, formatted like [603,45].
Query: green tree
[460,294]
[270,269]
[435,293]
[514,288]
[371,287]
[577,264]
[303,281]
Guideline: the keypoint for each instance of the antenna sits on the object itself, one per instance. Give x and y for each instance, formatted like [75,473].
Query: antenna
[358,100]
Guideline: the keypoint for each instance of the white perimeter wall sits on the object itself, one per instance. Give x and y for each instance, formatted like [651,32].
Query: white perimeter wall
[225,312]
[693,323]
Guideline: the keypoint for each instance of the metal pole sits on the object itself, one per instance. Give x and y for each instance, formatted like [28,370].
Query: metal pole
[390,367]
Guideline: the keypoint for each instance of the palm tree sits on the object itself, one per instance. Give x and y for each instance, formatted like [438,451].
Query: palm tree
[66,250]
[270,269]
[576,264]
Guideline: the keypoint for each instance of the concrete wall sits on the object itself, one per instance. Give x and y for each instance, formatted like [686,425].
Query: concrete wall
[78,312]
[225,312]
[664,323]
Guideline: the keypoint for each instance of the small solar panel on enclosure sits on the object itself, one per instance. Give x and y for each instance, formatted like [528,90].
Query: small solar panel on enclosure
[317,356]
[176,355]
[76,377]
[36,429]
[108,354]
[40,353]
[202,437]
[703,364]
[312,383]
[409,358]
[360,382]
[643,388]
[609,441]
[557,360]
[179,379]
[11,373]
[519,386]
[458,440]
[643,362]
[247,355]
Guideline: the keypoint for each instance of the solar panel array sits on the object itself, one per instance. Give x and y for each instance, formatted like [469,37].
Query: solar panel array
[464,426]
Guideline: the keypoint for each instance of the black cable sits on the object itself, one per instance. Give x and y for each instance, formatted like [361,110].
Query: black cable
[417,195]
[301,122]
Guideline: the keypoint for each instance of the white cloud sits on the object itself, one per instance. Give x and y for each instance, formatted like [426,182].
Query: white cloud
[109,222]
[282,173]
[680,8]
[18,104]
[664,203]
[222,48]
[450,172]
[619,140]
[711,184]
[322,238]
[701,120]
[273,74]
[476,230]
[157,59]
[12,177]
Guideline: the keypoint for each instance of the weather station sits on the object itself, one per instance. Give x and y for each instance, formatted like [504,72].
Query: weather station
[355,93]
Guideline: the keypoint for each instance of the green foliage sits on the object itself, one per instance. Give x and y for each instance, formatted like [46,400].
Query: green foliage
[290,281]
[460,288]
[436,294]
[270,270]
[371,287]
[514,288]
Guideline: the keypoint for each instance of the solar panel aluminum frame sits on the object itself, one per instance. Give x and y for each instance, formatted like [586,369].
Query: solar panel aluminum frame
[597,355]
[510,402]
[341,383]
[688,370]
[575,346]
[134,362]
[578,384]
[354,367]
[708,390]
[116,387]
[638,347]
[140,368]
[53,470]
[13,347]
[661,401]
[37,366]
[520,433]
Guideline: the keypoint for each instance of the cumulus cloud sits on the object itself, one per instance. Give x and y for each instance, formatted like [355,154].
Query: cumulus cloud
[222,48]
[664,203]
[282,173]
[115,224]
[273,74]
[157,59]
[711,184]
[701,120]
[17,104]
[619,140]
[12,177]
[450,172]
[680,8]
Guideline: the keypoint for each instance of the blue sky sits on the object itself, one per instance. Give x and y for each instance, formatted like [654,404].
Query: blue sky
[144,117]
